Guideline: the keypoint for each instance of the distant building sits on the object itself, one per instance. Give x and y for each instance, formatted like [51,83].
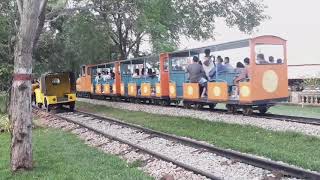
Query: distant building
[297,73]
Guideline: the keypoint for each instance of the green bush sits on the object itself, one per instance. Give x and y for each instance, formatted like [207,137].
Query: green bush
[3,102]
[4,123]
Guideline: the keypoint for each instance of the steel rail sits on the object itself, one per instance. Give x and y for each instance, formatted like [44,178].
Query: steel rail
[296,119]
[280,117]
[155,154]
[245,158]
[286,118]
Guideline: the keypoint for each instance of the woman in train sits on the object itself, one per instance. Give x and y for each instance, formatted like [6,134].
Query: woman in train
[239,68]
[244,73]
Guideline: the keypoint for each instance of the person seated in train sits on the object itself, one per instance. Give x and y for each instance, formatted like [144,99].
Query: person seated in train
[260,59]
[178,68]
[143,73]
[220,68]
[244,74]
[151,74]
[239,68]
[208,62]
[112,74]
[197,75]
[279,61]
[103,77]
[107,76]
[227,64]
[98,78]
[136,74]
[271,59]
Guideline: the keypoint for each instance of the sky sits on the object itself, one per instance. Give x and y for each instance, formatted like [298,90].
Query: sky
[296,21]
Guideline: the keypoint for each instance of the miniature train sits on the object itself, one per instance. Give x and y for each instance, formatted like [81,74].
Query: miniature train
[164,79]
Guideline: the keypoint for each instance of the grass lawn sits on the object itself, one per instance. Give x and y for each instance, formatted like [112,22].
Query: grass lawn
[289,147]
[61,155]
[306,111]
[291,110]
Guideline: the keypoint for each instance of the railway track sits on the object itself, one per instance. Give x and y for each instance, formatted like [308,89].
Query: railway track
[236,156]
[296,119]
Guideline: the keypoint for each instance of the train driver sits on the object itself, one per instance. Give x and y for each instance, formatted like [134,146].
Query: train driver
[260,59]
[271,59]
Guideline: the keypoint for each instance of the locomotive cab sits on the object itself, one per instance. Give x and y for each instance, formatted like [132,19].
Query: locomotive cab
[56,89]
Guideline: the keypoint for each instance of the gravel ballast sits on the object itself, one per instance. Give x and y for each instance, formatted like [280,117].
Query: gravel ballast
[198,158]
[269,124]
[157,168]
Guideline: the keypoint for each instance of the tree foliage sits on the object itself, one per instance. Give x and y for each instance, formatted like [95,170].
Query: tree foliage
[93,31]
[7,39]
[72,42]
[163,22]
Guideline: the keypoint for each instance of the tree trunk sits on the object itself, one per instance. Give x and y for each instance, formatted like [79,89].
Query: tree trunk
[20,106]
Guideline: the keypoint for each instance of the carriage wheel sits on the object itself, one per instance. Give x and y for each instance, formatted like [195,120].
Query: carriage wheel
[137,101]
[263,109]
[72,106]
[231,108]
[48,107]
[198,106]
[212,106]
[40,105]
[247,111]
[187,105]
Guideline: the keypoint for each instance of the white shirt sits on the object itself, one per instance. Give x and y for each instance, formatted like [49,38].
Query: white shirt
[207,69]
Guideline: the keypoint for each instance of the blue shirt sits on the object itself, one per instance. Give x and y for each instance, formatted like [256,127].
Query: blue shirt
[220,68]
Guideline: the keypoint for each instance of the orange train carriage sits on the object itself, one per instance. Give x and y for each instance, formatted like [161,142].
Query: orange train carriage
[164,79]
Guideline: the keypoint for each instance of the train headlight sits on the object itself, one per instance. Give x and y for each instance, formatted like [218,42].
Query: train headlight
[54,99]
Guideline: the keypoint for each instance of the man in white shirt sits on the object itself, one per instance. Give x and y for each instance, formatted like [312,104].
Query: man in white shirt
[208,62]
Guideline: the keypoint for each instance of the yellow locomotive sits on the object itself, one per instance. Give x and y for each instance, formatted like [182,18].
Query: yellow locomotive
[56,89]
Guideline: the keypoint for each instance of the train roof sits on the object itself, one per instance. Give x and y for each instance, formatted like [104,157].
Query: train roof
[195,51]
[221,47]
[140,60]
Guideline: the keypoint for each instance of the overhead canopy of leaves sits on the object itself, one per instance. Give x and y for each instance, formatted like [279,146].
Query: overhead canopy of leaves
[90,31]
[163,22]
[72,42]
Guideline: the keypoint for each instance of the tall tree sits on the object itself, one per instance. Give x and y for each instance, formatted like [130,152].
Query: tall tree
[163,22]
[71,41]
[30,12]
